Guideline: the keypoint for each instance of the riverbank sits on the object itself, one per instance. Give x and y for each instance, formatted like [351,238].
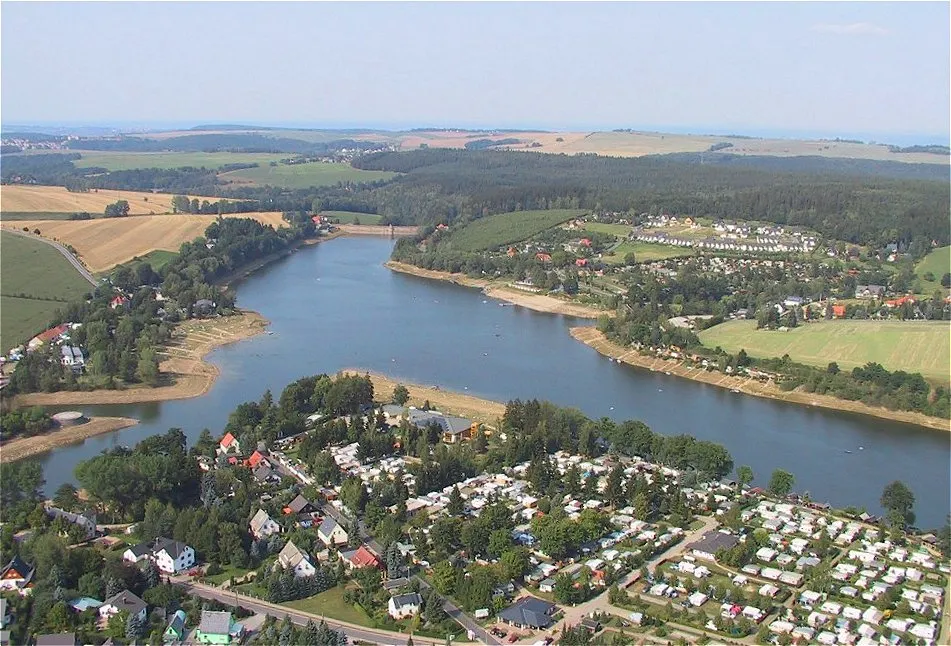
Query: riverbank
[375,230]
[592,337]
[183,371]
[536,302]
[454,403]
[25,447]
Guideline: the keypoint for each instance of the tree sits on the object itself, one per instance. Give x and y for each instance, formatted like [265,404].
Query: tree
[899,501]
[118,209]
[744,474]
[66,497]
[455,506]
[135,626]
[400,395]
[781,483]
[147,369]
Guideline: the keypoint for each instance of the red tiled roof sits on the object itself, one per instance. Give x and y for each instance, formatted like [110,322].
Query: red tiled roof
[52,333]
[364,558]
[227,440]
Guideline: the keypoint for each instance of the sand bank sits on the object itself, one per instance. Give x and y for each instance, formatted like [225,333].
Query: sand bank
[24,447]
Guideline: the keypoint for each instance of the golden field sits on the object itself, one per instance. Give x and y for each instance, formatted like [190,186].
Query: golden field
[56,199]
[104,243]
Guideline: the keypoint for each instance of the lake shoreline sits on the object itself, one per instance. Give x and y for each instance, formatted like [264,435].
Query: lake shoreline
[536,302]
[25,447]
[595,339]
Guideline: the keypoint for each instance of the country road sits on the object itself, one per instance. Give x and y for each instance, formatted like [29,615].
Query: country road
[63,250]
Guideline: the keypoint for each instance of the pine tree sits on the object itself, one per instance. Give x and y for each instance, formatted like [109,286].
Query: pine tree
[455,506]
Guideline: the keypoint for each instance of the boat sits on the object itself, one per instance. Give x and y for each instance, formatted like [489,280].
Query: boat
[847,451]
[667,373]
[269,332]
[734,390]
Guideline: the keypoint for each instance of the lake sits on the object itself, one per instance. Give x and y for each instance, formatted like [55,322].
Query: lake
[334,306]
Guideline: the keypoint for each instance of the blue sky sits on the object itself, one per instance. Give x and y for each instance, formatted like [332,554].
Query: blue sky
[874,69]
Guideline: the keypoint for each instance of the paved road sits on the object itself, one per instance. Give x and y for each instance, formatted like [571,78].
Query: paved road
[63,250]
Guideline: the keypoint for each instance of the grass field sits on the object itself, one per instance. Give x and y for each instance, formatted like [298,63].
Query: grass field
[303,175]
[938,262]
[619,230]
[506,228]
[645,252]
[56,199]
[103,244]
[351,217]
[919,346]
[35,215]
[158,258]
[128,161]
[331,604]
[35,281]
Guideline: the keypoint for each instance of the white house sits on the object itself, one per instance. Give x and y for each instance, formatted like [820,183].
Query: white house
[171,556]
[331,533]
[262,525]
[293,559]
[404,605]
[125,600]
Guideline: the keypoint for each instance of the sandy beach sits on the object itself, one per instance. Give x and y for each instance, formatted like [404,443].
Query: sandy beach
[592,337]
[184,372]
[536,302]
[25,447]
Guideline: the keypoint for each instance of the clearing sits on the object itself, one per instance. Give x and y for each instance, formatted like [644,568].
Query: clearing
[104,243]
[36,281]
[330,603]
[303,175]
[938,262]
[56,199]
[352,217]
[129,161]
[912,346]
[497,230]
[646,252]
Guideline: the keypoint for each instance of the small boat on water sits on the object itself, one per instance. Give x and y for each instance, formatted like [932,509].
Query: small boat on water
[268,332]
[735,391]
[847,451]
[667,373]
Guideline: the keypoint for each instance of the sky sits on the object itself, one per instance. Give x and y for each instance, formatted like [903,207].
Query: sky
[808,68]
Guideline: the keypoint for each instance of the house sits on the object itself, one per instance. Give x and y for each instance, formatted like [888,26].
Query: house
[229,444]
[331,533]
[256,459]
[395,585]
[125,600]
[203,307]
[17,575]
[711,543]
[86,520]
[214,628]
[171,556]
[56,639]
[361,557]
[454,429]
[292,558]
[299,505]
[529,612]
[869,291]
[82,604]
[47,336]
[137,553]
[404,605]
[547,585]
[119,301]
[263,473]
[838,311]
[175,632]
[792,301]
[581,262]
[543,257]
[72,357]
[262,525]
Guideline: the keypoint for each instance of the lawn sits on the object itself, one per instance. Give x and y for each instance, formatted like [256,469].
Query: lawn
[646,252]
[129,161]
[157,258]
[330,603]
[303,175]
[506,228]
[351,217]
[938,262]
[619,230]
[225,574]
[912,346]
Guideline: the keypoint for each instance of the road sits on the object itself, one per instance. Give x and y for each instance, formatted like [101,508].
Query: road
[63,250]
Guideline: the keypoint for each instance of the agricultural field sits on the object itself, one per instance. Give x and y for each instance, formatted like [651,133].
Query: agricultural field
[129,161]
[303,175]
[497,230]
[36,280]
[938,262]
[352,217]
[618,230]
[912,346]
[56,199]
[646,252]
[102,244]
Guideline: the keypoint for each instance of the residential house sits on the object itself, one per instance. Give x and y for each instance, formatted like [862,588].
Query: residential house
[360,557]
[454,429]
[331,533]
[171,556]
[138,552]
[869,291]
[203,307]
[72,357]
[125,600]
[229,444]
[262,525]
[529,612]
[256,459]
[47,336]
[292,558]
[17,575]
[175,632]
[712,542]
[214,628]
[82,604]
[404,605]
[85,520]
[299,505]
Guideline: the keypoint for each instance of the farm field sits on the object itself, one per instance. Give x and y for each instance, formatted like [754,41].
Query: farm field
[506,228]
[102,244]
[303,175]
[938,262]
[619,230]
[912,346]
[36,280]
[35,215]
[645,252]
[56,199]
[351,217]
[129,161]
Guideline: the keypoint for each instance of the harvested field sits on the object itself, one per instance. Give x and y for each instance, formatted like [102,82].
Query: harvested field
[56,199]
[127,161]
[102,244]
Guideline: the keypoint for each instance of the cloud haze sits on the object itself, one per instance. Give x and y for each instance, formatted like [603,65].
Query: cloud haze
[855,28]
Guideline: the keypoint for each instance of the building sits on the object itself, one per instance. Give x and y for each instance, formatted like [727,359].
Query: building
[404,605]
[169,556]
[17,575]
[214,628]
[229,444]
[82,604]
[869,291]
[710,543]
[72,357]
[262,525]
[86,520]
[125,600]
[299,505]
[47,336]
[331,533]
[292,558]
[529,612]
[361,557]
[175,631]
[119,301]
[454,429]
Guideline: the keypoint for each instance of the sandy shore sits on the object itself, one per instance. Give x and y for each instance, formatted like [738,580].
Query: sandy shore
[454,403]
[375,230]
[536,302]
[184,372]
[28,446]
[592,337]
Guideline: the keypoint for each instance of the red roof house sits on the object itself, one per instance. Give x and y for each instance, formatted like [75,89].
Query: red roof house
[544,257]
[361,557]
[228,444]
[52,333]
[315,219]
[511,252]
[256,458]
[119,301]
[838,311]
[584,242]
[581,262]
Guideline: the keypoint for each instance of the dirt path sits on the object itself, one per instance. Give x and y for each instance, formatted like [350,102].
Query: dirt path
[592,337]
[500,291]
[184,373]
[27,446]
